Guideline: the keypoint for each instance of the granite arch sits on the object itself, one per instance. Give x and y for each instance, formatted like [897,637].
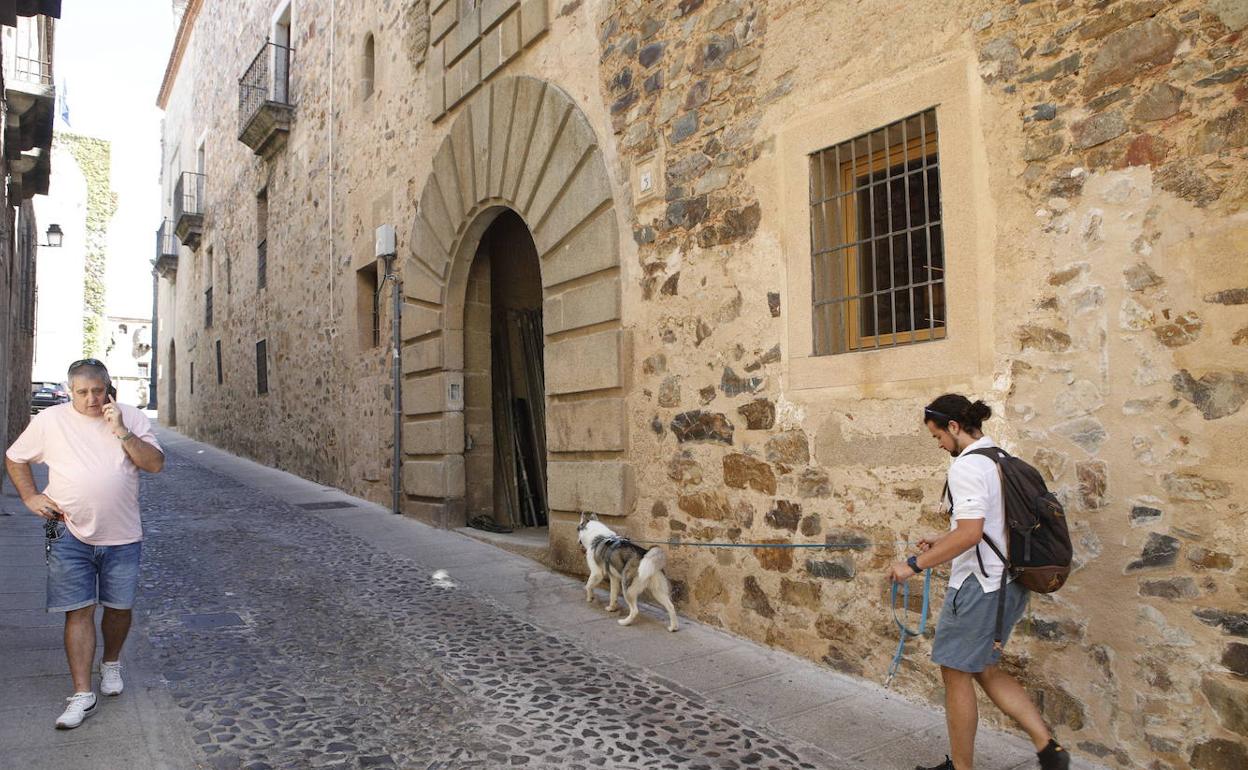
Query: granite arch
[520,144]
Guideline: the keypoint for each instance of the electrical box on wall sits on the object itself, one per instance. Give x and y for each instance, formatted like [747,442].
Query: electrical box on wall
[385,241]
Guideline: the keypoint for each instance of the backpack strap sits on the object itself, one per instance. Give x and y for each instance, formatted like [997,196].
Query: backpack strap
[995,454]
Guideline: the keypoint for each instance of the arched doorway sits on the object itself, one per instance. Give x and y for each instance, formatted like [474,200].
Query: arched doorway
[504,391]
[170,404]
[519,152]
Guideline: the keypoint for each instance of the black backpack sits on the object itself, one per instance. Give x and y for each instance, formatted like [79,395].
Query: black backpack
[1037,548]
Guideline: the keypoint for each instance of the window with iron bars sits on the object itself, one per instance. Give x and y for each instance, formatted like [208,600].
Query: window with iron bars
[877,246]
[262,238]
[220,374]
[262,367]
[208,308]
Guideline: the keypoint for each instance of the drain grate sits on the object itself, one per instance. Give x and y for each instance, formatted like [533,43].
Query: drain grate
[210,620]
[326,506]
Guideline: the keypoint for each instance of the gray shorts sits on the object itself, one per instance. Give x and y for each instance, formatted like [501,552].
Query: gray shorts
[968,620]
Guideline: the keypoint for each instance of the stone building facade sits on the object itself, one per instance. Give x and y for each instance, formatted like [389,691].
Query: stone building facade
[27,100]
[761,235]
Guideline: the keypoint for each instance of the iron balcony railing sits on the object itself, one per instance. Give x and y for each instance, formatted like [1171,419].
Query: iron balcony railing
[166,241]
[27,58]
[188,195]
[267,80]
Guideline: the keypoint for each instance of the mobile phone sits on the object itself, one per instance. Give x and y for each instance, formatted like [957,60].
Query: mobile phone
[112,393]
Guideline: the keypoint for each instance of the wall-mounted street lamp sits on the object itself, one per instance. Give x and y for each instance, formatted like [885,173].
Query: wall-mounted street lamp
[55,236]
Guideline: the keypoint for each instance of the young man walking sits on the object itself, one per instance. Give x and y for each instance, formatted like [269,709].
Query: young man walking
[964,647]
[94,449]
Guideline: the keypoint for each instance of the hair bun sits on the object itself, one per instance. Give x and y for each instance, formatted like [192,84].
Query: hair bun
[979,411]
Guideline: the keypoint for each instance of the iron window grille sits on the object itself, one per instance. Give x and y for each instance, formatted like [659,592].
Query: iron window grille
[877,241]
[262,367]
[262,264]
[208,308]
[266,81]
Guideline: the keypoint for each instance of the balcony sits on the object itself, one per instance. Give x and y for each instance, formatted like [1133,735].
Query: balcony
[264,109]
[30,105]
[166,262]
[188,208]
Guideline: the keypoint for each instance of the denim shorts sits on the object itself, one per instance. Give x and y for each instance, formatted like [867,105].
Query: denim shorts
[968,621]
[80,574]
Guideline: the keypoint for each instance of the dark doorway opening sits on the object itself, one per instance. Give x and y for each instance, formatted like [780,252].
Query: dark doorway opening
[505,402]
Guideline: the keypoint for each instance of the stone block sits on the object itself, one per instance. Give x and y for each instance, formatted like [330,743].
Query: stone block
[605,488]
[575,139]
[583,306]
[492,11]
[462,154]
[445,186]
[419,320]
[419,284]
[437,84]
[529,97]
[491,52]
[534,19]
[442,435]
[503,94]
[545,133]
[463,35]
[587,191]
[593,247]
[479,113]
[434,393]
[592,362]
[423,355]
[434,478]
[511,36]
[442,21]
[586,426]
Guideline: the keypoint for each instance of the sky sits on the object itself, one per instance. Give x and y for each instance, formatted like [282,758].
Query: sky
[109,60]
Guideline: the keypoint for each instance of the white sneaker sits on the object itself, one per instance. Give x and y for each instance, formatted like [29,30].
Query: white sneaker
[110,679]
[81,705]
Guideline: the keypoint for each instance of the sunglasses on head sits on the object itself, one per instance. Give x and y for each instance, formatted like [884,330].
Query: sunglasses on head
[929,413]
[86,362]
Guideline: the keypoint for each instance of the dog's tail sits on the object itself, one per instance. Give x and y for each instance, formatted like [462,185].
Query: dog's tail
[651,564]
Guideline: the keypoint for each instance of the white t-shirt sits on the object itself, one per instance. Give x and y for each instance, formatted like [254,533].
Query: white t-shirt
[975,493]
[90,476]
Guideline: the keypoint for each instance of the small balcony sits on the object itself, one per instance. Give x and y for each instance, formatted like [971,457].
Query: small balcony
[188,208]
[264,109]
[30,101]
[166,262]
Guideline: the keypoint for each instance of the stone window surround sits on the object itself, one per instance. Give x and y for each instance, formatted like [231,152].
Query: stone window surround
[950,85]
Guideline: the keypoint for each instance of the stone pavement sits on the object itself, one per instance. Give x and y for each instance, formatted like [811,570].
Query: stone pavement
[283,624]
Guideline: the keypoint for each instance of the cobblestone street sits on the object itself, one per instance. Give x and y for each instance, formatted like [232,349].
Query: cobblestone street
[278,633]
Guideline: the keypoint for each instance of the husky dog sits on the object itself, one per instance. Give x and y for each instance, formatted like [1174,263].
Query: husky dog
[625,563]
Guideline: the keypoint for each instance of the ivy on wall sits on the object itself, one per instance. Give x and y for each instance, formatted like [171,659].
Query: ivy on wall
[93,157]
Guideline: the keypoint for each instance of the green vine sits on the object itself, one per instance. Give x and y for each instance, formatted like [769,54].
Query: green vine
[93,157]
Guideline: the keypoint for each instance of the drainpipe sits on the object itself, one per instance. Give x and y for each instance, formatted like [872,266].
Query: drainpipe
[151,371]
[385,251]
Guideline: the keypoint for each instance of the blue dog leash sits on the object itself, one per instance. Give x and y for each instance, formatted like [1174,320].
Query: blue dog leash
[902,627]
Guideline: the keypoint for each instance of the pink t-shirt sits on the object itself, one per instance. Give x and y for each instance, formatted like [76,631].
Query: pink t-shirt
[90,476]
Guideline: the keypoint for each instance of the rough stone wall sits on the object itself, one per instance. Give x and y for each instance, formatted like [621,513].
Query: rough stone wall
[1115,135]
[1112,135]
[21,344]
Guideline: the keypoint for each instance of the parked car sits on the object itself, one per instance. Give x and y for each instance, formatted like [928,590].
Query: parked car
[46,394]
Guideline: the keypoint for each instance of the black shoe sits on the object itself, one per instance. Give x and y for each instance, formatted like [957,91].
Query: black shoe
[1053,757]
[946,765]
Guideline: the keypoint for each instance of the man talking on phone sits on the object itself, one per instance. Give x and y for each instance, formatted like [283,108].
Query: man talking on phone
[94,448]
